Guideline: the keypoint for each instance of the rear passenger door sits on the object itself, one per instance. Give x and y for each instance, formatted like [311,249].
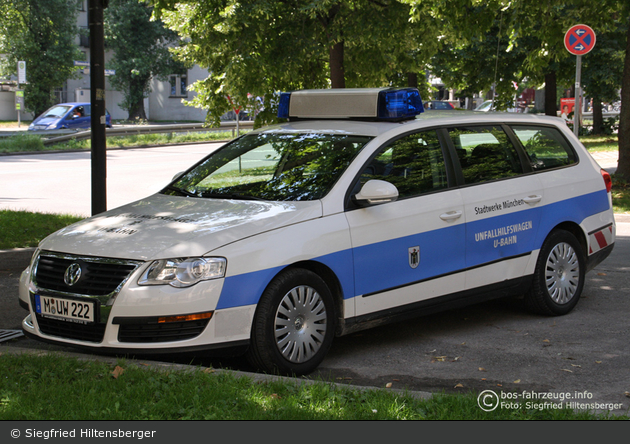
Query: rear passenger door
[411,249]
[502,204]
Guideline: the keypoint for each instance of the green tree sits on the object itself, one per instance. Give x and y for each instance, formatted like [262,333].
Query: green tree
[623,169]
[258,47]
[42,33]
[140,48]
[602,71]
[485,62]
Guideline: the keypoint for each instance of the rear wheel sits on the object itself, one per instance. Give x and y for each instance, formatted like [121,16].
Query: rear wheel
[294,324]
[559,275]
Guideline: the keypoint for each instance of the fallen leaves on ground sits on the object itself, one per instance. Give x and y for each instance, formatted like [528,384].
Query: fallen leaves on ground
[117,372]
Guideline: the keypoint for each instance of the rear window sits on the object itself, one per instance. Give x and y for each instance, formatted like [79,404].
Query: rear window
[545,147]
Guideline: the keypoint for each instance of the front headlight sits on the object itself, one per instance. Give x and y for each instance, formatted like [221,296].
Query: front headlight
[183,272]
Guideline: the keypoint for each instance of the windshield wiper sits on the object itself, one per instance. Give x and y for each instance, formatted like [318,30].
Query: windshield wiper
[181,191]
[233,196]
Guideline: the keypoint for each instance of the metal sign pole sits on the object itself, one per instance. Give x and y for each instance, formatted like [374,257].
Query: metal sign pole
[579,40]
[577,108]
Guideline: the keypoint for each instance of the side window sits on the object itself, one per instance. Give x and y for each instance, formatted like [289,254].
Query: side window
[545,147]
[485,153]
[414,164]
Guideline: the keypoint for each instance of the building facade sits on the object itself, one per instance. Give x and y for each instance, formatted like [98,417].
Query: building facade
[165,102]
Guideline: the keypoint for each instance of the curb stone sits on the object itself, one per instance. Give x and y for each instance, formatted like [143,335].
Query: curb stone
[15,259]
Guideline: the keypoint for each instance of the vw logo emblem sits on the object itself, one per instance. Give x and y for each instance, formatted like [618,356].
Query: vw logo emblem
[72,274]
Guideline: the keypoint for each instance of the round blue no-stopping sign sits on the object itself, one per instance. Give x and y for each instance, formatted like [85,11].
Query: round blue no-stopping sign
[580,39]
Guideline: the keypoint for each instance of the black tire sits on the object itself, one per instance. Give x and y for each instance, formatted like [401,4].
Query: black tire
[559,275]
[294,324]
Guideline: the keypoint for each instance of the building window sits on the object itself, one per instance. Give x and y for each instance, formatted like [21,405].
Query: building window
[179,85]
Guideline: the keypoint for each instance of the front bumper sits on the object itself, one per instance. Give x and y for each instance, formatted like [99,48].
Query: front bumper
[140,319]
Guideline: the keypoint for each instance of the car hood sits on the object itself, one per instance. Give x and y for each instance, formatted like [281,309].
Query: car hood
[161,226]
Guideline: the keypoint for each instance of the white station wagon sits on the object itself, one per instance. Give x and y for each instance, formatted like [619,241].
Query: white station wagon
[355,212]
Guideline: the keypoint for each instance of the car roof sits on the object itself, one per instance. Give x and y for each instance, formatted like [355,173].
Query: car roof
[424,120]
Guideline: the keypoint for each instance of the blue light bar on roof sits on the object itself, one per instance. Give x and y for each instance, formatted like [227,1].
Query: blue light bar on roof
[283,106]
[401,103]
[351,103]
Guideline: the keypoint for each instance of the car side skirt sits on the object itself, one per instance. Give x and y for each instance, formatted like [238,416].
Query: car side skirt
[512,287]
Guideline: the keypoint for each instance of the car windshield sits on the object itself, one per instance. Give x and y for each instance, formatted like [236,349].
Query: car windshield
[271,166]
[56,111]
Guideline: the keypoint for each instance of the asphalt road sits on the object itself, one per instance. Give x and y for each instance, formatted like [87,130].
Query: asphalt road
[499,346]
[61,182]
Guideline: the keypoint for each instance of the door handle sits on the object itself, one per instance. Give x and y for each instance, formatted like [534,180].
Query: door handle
[451,215]
[534,199]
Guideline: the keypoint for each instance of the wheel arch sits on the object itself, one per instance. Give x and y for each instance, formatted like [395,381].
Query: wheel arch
[331,280]
[576,231]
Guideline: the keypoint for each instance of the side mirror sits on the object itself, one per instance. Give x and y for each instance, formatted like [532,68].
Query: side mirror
[177,176]
[376,192]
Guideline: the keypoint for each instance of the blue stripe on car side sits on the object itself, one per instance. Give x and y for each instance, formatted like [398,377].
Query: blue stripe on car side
[386,264]
[442,252]
[246,289]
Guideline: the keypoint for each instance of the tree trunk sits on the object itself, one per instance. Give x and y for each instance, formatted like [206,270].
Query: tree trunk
[412,80]
[551,96]
[598,116]
[337,74]
[136,112]
[623,167]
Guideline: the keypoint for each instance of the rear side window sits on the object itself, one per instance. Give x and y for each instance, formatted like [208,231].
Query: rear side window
[485,153]
[545,147]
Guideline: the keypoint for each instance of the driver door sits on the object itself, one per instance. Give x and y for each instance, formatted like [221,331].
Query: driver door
[413,249]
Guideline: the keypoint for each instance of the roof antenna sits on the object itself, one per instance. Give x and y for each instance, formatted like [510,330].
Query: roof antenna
[496,63]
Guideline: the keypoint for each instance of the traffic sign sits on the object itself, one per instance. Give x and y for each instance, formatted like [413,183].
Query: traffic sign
[21,72]
[579,40]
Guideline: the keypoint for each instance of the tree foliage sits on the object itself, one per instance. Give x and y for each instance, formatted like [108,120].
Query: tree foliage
[42,33]
[140,48]
[258,47]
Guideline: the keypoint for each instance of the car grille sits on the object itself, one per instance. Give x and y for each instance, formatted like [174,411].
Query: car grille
[165,332]
[99,277]
[70,330]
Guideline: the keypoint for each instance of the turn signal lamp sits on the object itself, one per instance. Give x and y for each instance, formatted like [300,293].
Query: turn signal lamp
[185,318]
[351,103]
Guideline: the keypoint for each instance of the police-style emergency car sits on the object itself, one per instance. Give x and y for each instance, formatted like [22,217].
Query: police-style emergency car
[357,211]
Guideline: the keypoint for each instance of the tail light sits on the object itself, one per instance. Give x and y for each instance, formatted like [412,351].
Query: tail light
[607,180]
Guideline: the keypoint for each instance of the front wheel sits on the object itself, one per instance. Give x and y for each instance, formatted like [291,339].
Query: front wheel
[294,324]
[559,276]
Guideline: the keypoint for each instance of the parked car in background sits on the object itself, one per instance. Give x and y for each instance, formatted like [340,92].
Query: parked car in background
[438,104]
[71,115]
[485,106]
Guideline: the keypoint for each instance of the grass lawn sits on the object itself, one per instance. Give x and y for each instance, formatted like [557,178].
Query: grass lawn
[19,229]
[56,387]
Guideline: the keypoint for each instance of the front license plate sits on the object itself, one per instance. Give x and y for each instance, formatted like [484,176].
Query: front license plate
[65,309]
